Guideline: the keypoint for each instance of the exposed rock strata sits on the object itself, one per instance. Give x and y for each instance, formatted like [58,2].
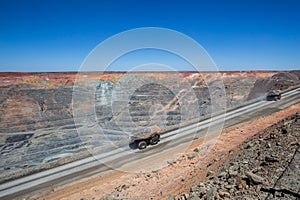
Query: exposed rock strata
[37,128]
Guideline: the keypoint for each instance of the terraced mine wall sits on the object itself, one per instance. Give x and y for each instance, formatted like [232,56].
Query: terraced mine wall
[37,129]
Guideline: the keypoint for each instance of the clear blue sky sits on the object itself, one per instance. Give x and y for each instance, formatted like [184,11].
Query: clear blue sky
[56,35]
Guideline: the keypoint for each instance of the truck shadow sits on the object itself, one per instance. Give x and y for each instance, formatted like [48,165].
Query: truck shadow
[134,145]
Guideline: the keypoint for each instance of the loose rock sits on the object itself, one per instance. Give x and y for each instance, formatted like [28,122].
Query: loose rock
[254,178]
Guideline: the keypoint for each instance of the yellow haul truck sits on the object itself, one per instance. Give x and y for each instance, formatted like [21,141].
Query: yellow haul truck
[142,139]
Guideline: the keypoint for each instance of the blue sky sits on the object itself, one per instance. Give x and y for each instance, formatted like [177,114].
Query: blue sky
[57,35]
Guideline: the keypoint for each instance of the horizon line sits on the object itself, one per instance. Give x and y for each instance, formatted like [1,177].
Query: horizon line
[179,71]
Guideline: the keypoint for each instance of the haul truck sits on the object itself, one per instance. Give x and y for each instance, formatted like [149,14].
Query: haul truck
[146,137]
[274,95]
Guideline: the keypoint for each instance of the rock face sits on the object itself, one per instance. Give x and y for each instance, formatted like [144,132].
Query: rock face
[33,101]
[37,127]
[279,81]
[27,109]
[266,168]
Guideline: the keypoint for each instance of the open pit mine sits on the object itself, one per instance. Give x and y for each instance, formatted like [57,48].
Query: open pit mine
[39,129]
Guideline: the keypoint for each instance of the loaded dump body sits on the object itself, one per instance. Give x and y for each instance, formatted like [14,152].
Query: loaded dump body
[146,137]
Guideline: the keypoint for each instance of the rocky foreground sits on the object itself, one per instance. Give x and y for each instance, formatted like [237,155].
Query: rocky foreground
[268,167]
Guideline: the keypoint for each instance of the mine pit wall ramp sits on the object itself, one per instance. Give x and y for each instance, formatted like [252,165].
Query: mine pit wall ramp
[32,102]
[279,81]
[37,129]
[27,109]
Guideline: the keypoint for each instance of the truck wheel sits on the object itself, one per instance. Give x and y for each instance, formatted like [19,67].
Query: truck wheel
[142,145]
[157,136]
[154,140]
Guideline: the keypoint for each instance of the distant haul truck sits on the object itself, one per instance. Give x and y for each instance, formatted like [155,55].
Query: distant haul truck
[274,95]
[146,137]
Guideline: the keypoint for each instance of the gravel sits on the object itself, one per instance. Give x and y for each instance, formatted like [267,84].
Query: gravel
[267,167]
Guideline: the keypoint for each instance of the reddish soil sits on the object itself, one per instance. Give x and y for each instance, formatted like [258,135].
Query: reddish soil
[50,80]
